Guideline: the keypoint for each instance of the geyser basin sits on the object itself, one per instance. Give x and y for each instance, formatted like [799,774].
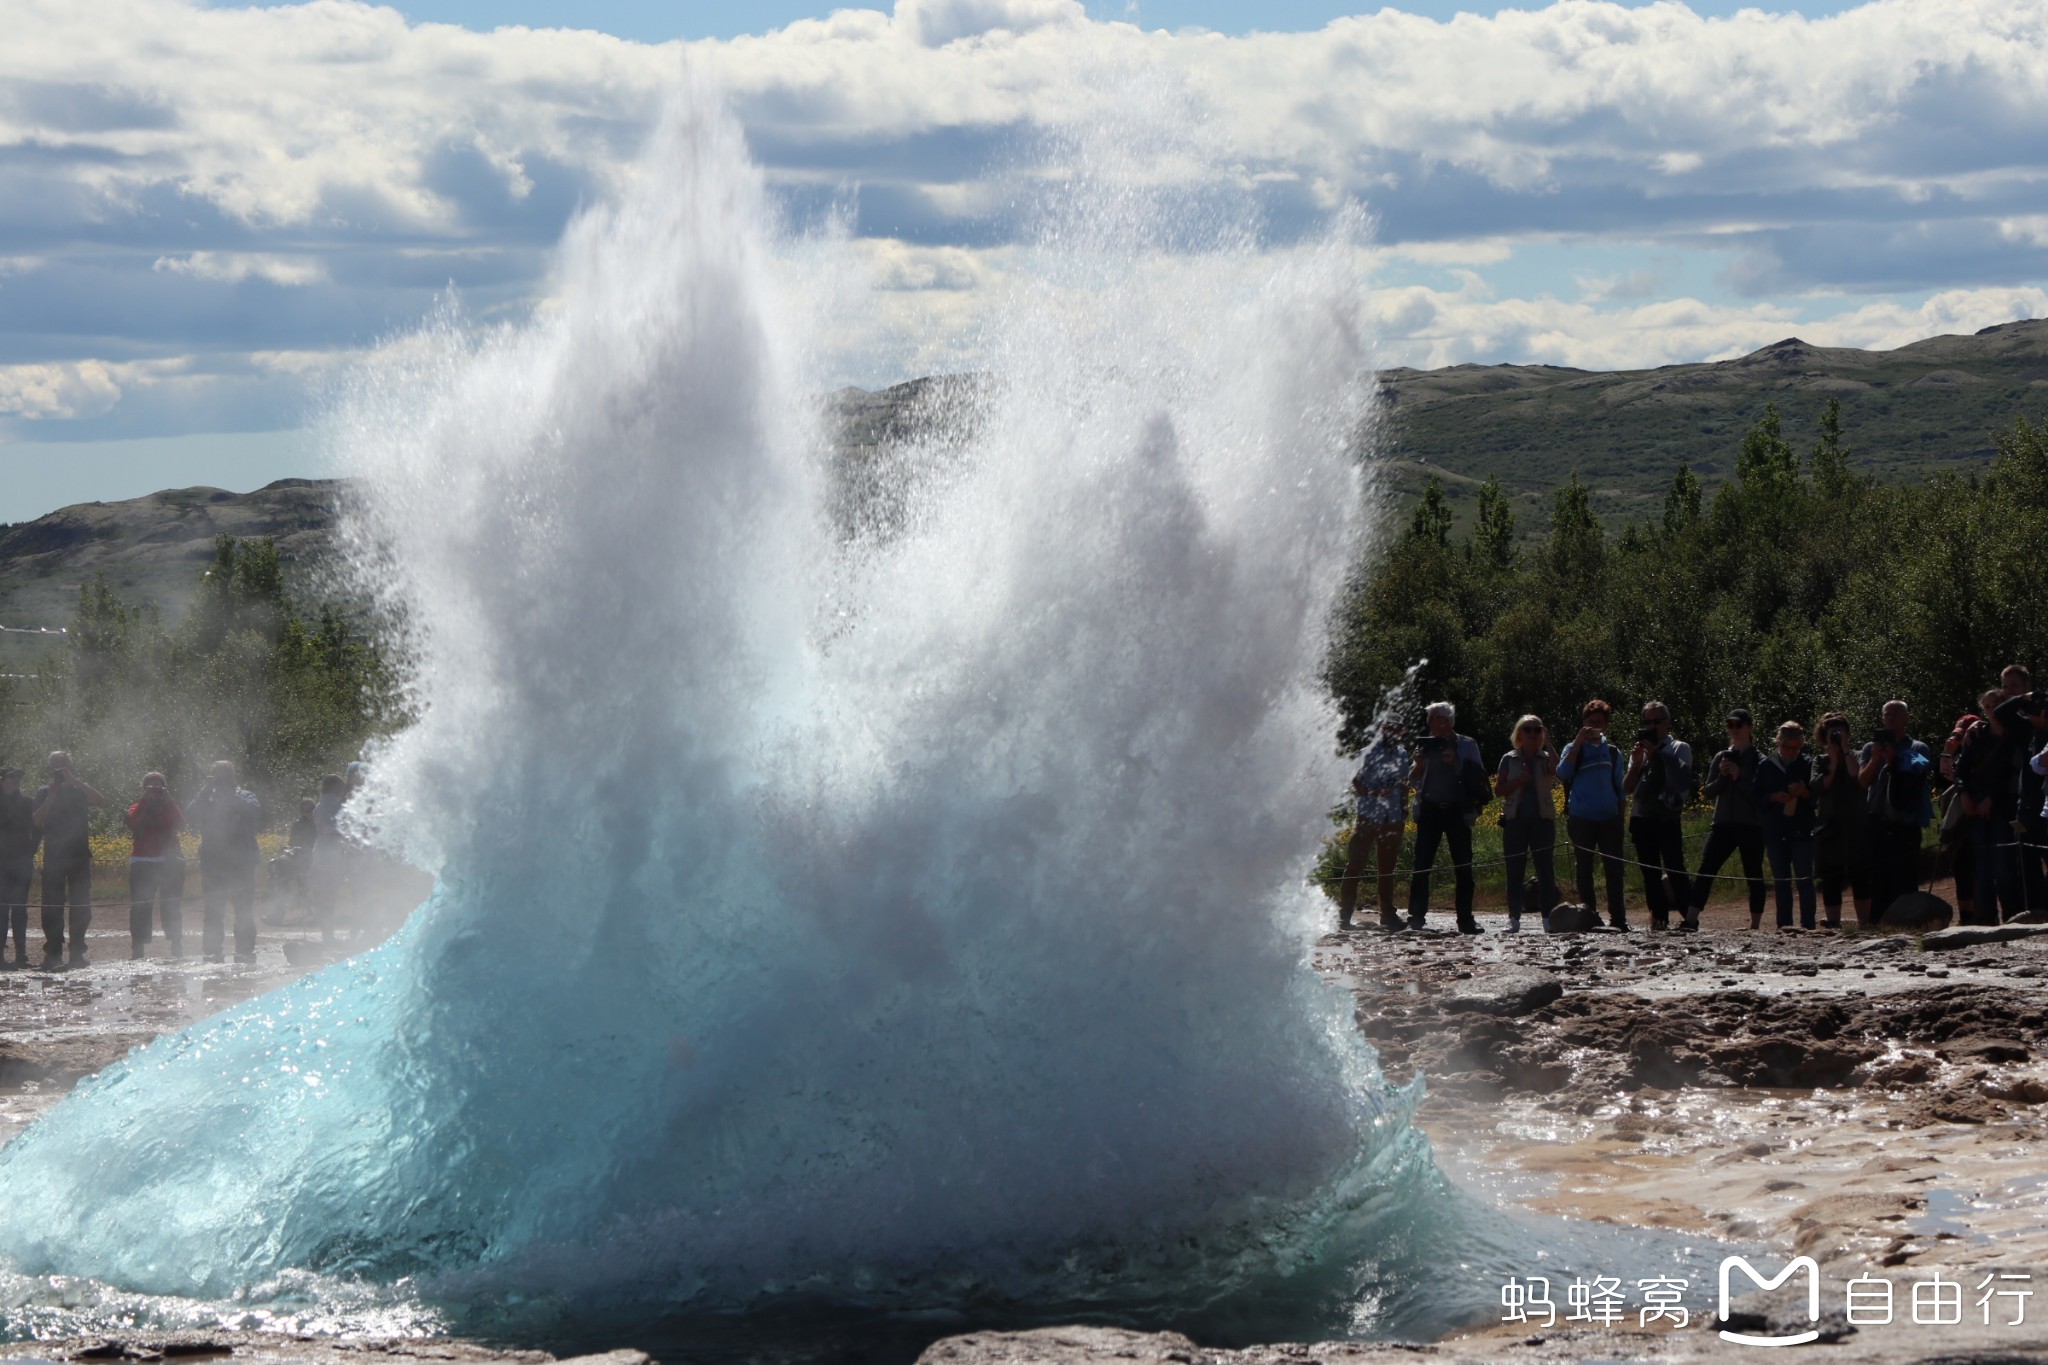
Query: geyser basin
[878,912]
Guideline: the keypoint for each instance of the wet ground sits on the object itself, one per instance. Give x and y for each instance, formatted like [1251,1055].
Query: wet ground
[57,1027]
[1877,1102]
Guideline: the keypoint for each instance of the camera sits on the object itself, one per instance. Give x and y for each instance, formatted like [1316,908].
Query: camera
[1430,744]
[1647,736]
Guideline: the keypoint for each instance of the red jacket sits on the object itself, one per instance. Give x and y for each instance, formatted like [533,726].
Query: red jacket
[156,829]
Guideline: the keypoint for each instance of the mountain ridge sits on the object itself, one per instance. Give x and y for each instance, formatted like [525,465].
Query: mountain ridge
[1928,405]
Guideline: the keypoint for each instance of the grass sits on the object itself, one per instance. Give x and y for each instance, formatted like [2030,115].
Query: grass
[1490,871]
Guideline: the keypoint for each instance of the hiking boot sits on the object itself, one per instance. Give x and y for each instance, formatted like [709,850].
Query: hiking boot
[1391,922]
[1691,923]
[1468,925]
[1514,924]
[1660,923]
[1417,925]
[1618,924]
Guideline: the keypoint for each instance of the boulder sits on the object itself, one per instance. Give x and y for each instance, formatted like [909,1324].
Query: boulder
[1972,935]
[1571,919]
[1920,910]
[1508,992]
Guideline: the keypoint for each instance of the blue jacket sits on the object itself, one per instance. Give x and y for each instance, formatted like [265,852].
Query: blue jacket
[1593,773]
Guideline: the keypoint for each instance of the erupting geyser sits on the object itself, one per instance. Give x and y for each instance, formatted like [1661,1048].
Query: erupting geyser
[874,919]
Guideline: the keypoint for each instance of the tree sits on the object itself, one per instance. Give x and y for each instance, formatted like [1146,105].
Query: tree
[1432,519]
[1828,466]
[1766,458]
[1682,503]
[1576,550]
[1493,534]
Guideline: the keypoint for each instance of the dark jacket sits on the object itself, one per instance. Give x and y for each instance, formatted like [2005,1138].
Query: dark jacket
[18,833]
[1988,767]
[227,823]
[1734,798]
[1774,775]
[1839,811]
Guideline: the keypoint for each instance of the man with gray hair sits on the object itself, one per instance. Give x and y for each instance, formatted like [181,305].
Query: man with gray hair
[1450,784]
[227,818]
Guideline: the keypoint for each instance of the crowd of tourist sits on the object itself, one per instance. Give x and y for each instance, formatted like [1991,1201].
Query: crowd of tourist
[1831,816]
[225,816]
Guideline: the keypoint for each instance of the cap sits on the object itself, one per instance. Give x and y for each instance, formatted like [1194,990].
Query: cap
[1740,716]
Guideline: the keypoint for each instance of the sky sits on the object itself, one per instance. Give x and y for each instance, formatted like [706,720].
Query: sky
[213,214]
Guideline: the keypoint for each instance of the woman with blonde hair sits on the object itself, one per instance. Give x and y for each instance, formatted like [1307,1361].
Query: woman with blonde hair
[1528,817]
[1784,793]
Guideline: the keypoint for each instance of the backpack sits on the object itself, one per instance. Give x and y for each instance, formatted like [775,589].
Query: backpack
[1475,789]
[1902,787]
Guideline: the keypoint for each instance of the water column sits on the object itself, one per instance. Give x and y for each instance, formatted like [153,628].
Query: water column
[897,914]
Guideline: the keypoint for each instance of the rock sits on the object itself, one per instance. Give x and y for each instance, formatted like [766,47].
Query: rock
[1917,910]
[1782,1313]
[1971,935]
[1790,1064]
[1983,1050]
[1571,919]
[1507,992]
[1061,1346]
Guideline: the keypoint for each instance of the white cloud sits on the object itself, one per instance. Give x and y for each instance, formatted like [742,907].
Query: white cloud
[83,388]
[232,267]
[1428,328]
[1890,150]
[275,114]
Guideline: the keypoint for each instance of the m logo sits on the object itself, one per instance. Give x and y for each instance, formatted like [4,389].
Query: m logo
[1812,1299]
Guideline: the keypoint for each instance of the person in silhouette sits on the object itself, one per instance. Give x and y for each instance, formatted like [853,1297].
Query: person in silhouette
[227,818]
[1528,819]
[1592,770]
[156,867]
[1738,825]
[1450,786]
[1659,784]
[1841,853]
[63,809]
[1380,821]
[1895,771]
[1784,795]
[1987,773]
[19,837]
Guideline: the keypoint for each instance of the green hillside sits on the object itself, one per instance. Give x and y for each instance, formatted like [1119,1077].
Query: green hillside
[1922,408]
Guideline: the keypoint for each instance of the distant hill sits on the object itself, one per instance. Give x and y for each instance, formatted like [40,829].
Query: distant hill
[1931,405]
[151,549]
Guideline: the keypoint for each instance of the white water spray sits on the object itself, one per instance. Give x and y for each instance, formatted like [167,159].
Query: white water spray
[888,920]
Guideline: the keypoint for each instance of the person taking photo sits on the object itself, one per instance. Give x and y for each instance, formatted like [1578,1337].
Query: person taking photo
[1738,825]
[1592,771]
[1659,783]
